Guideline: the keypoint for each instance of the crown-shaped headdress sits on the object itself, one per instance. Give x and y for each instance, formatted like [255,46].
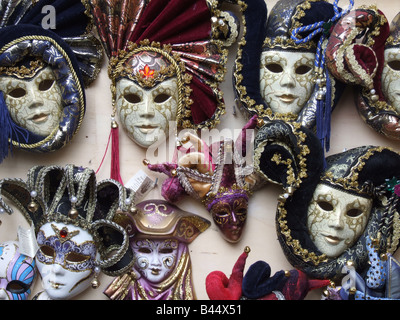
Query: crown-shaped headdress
[71,195]
[149,41]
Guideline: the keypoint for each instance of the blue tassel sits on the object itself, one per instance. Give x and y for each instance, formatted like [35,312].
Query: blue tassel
[8,130]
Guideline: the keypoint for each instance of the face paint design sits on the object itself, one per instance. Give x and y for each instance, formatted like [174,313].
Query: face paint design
[391,77]
[286,80]
[17,272]
[34,104]
[155,259]
[230,215]
[65,259]
[336,219]
[145,113]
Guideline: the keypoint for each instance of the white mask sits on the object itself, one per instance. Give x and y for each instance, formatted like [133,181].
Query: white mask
[145,113]
[34,104]
[286,80]
[336,219]
[391,77]
[155,259]
[65,259]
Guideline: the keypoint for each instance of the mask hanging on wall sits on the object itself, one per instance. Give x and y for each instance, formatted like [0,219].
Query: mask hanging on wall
[166,63]
[73,216]
[216,175]
[288,50]
[159,237]
[43,74]
[324,216]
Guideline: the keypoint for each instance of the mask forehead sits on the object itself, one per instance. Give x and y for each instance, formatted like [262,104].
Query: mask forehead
[336,219]
[286,79]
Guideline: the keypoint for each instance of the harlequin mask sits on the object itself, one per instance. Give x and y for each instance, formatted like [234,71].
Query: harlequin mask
[218,176]
[160,235]
[66,260]
[73,218]
[34,103]
[17,272]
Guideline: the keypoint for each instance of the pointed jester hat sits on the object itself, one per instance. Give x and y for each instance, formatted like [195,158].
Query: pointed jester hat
[364,178]
[218,176]
[39,64]
[179,45]
[290,44]
[72,196]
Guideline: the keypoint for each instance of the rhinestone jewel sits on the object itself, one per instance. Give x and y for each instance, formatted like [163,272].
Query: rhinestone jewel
[63,233]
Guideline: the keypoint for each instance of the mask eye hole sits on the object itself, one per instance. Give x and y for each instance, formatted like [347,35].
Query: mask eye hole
[47,251]
[325,205]
[45,84]
[394,64]
[166,251]
[144,250]
[76,257]
[274,68]
[132,98]
[17,93]
[162,97]
[16,286]
[303,69]
[354,212]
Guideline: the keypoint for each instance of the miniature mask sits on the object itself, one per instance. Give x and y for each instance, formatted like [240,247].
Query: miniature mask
[336,219]
[65,260]
[17,272]
[34,103]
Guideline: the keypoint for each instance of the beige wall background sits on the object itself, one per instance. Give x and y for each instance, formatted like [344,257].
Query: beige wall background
[209,251]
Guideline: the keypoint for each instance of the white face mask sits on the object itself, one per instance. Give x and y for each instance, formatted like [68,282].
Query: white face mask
[336,219]
[145,114]
[34,104]
[286,79]
[65,259]
[155,259]
[391,77]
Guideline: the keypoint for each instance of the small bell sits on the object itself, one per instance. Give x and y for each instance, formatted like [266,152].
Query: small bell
[173,172]
[33,206]
[73,213]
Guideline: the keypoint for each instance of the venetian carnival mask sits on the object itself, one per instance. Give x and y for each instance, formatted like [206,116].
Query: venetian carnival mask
[155,259]
[17,272]
[146,101]
[34,103]
[391,77]
[336,219]
[286,79]
[65,260]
